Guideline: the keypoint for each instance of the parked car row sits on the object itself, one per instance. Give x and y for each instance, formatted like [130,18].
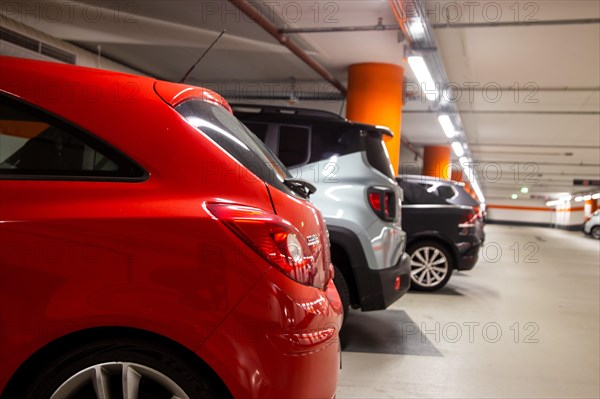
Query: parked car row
[156,246]
[356,192]
[591,226]
[442,224]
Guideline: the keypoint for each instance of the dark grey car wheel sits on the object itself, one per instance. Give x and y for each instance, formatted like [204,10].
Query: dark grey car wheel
[431,266]
[595,232]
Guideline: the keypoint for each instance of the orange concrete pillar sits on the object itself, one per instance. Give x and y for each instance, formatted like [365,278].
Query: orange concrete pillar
[436,161]
[456,175]
[590,206]
[375,97]
[470,190]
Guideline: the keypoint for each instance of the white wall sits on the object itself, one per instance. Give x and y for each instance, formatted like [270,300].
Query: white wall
[535,211]
[524,211]
[570,213]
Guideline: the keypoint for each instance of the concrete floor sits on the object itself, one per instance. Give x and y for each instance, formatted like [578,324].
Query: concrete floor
[510,328]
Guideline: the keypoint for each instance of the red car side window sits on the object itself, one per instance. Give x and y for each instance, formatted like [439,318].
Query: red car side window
[33,143]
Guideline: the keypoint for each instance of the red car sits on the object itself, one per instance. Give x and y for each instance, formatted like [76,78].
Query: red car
[151,247]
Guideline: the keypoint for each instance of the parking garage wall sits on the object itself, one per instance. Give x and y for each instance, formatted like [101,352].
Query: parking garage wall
[82,56]
[535,213]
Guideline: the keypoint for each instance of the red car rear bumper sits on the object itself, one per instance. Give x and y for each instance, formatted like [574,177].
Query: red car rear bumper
[281,341]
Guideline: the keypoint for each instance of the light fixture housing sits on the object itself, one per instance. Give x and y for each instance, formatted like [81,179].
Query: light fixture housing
[419,68]
[416,28]
[447,125]
[458,148]
[467,166]
[478,191]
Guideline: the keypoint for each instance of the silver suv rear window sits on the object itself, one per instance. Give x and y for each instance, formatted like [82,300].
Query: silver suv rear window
[298,143]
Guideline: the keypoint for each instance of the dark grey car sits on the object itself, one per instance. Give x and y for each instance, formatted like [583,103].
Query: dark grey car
[442,237]
[451,192]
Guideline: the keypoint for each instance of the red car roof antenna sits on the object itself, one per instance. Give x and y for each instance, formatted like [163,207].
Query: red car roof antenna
[202,56]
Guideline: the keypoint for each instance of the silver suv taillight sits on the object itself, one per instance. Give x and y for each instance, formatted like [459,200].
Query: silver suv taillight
[383,202]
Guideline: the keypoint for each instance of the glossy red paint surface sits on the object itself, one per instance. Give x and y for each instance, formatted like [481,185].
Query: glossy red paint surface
[286,341]
[76,255]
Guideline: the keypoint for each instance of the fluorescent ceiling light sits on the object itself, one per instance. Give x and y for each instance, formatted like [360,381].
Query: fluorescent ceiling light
[514,196]
[552,203]
[596,196]
[416,28]
[447,125]
[478,192]
[464,162]
[566,198]
[419,68]
[458,149]
[579,198]
[587,197]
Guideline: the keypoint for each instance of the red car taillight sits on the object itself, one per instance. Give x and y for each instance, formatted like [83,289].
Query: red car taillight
[383,202]
[276,240]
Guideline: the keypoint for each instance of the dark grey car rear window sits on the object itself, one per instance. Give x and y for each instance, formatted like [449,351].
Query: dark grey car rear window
[417,194]
[235,138]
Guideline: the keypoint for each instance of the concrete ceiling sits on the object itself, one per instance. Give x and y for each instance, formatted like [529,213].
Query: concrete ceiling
[539,114]
[539,121]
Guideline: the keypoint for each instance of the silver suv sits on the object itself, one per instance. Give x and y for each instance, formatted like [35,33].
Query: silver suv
[356,192]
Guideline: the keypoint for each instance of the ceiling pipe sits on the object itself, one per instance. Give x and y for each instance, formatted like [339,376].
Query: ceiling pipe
[376,28]
[401,19]
[285,40]
[553,22]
